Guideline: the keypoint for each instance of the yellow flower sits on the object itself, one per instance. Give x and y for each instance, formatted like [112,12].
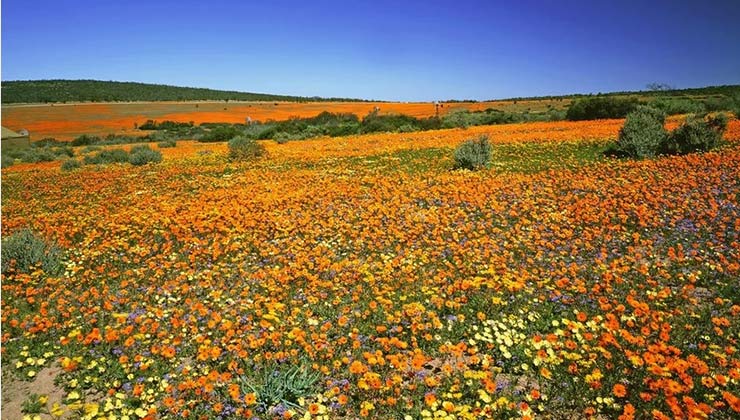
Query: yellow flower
[91,409]
[56,410]
[31,373]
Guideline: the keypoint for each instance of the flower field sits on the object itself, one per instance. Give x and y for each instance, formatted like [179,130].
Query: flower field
[67,121]
[361,277]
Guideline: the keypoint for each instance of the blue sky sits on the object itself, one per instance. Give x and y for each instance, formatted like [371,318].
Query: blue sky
[391,50]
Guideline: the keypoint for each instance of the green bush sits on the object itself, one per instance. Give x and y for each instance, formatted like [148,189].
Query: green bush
[48,141]
[243,148]
[600,108]
[673,106]
[113,156]
[167,143]
[35,155]
[7,160]
[85,140]
[89,149]
[141,155]
[25,250]
[473,154]
[696,134]
[642,135]
[70,165]
[220,133]
[92,159]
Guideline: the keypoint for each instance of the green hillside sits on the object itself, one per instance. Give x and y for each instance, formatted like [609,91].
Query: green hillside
[40,91]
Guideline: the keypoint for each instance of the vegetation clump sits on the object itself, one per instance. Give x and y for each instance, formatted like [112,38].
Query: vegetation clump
[143,154]
[244,148]
[698,134]
[599,108]
[25,250]
[70,165]
[167,144]
[473,154]
[644,135]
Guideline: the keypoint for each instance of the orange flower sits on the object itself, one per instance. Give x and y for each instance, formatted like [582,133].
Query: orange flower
[619,390]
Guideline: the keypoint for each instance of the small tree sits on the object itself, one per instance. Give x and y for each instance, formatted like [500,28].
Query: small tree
[473,154]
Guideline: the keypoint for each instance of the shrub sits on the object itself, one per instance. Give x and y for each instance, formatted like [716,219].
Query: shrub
[473,154]
[89,149]
[141,155]
[113,156]
[696,134]
[167,143]
[282,137]
[243,148]
[642,135]
[70,165]
[34,155]
[48,141]
[92,159]
[221,133]
[673,106]
[7,160]
[600,108]
[85,140]
[25,250]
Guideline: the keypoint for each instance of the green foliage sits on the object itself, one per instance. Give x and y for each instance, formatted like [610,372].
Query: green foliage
[697,134]
[244,148]
[323,124]
[674,106]
[48,142]
[220,133]
[7,161]
[143,154]
[70,165]
[164,125]
[106,91]
[600,107]
[39,155]
[24,250]
[642,134]
[473,154]
[85,140]
[167,143]
[113,156]
[34,404]
[282,387]
[376,123]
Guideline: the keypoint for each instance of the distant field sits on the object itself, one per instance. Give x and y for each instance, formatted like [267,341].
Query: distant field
[67,121]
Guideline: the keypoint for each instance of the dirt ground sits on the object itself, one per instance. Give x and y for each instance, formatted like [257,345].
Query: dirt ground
[15,392]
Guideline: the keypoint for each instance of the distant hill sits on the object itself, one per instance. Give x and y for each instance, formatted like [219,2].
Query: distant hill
[708,91]
[41,91]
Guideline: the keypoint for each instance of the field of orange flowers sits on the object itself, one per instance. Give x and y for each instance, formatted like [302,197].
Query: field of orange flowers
[557,284]
[67,121]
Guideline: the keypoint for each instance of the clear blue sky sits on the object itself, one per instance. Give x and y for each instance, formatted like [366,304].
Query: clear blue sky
[392,50]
